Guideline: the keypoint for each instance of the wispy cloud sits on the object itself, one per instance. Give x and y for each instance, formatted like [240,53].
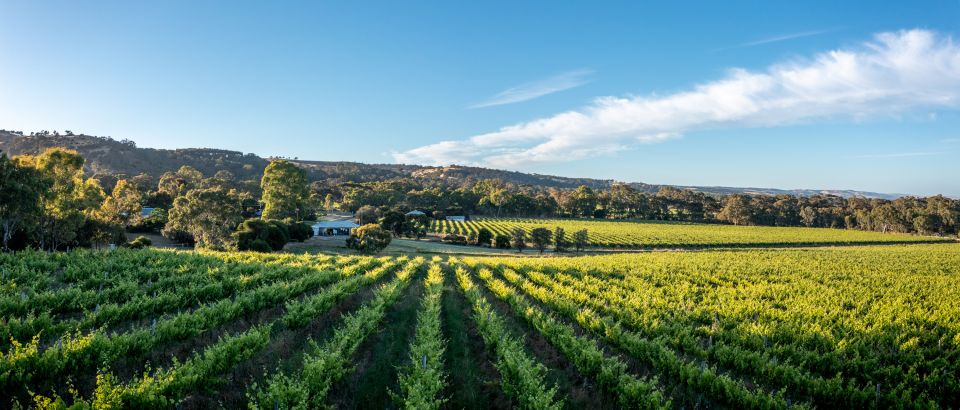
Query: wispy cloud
[536,89]
[894,73]
[785,37]
[777,39]
[900,155]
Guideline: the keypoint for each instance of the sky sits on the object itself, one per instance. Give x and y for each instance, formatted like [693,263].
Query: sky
[820,95]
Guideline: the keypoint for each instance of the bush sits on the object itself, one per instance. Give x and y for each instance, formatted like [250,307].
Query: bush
[369,238]
[272,232]
[259,245]
[299,231]
[502,241]
[139,243]
[484,237]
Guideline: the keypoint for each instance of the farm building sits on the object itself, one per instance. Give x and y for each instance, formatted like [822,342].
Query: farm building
[333,228]
[415,212]
[457,218]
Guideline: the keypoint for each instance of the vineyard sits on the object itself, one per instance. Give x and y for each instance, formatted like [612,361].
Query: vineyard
[852,327]
[658,234]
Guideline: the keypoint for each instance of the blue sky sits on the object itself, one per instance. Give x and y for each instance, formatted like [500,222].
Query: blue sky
[839,95]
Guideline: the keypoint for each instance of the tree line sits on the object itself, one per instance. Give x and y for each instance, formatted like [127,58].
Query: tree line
[935,215]
[47,202]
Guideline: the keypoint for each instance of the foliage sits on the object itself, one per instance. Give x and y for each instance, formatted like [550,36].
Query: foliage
[21,193]
[122,207]
[519,238]
[208,215]
[559,239]
[581,239]
[502,241]
[299,231]
[285,195]
[422,380]
[139,242]
[484,237]
[253,233]
[369,238]
[541,238]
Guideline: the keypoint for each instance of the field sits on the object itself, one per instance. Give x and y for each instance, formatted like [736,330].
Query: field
[849,327]
[655,234]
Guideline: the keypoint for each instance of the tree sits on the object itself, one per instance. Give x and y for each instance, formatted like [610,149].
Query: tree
[484,236]
[175,184]
[393,221]
[122,207]
[582,201]
[736,210]
[366,214]
[519,239]
[927,224]
[541,238]
[808,216]
[208,215]
[70,201]
[285,191]
[559,239]
[580,239]
[502,241]
[21,192]
[369,238]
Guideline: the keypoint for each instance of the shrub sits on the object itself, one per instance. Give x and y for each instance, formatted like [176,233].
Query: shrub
[139,243]
[369,238]
[272,232]
[259,245]
[502,241]
[484,237]
[299,231]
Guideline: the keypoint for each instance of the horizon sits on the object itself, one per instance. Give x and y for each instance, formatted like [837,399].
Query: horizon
[824,97]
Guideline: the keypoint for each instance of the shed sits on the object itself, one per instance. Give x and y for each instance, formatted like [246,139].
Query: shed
[334,228]
[457,218]
[415,212]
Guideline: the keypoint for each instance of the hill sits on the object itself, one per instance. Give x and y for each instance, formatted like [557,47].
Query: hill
[108,157]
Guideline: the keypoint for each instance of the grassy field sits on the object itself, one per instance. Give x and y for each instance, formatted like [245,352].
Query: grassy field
[657,234]
[768,328]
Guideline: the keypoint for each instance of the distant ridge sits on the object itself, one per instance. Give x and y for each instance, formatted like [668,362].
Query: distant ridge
[108,158]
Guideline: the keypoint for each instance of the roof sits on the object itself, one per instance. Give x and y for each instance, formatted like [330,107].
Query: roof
[145,212]
[415,212]
[335,224]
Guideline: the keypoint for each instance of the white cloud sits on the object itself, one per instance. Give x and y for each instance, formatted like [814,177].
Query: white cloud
[536,89]
[894,73]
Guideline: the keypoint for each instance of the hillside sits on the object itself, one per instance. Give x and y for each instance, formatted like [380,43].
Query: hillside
[109,157]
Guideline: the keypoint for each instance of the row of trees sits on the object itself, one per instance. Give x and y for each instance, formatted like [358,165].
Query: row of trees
[933,215]
[519,239]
